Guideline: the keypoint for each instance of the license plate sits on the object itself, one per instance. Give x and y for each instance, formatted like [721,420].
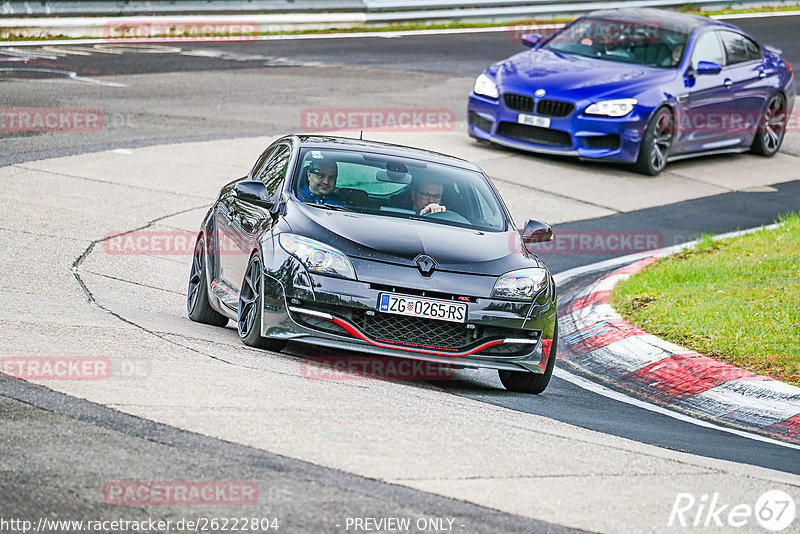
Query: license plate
[534,120]
[419,307]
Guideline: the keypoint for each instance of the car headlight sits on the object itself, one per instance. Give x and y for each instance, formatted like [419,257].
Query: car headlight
[317,257]
[612,108]
[521,284]
[484,86]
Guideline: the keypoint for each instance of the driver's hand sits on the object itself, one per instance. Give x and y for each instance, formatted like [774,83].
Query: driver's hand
[432,208]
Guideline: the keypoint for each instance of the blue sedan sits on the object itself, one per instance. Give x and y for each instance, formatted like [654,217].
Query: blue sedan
[639,86]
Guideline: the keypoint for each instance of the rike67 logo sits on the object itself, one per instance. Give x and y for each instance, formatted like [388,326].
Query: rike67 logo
[774,510]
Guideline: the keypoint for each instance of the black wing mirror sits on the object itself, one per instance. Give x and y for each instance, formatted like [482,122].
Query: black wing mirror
[531,40]
[536,232]
[254,192]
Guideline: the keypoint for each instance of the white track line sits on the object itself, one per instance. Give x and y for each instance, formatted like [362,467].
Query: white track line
[594,387]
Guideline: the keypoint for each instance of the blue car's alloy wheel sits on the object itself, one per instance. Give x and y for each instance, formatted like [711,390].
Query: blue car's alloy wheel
[771,129]
[656,141]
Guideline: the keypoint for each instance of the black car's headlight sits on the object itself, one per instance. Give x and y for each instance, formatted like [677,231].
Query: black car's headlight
[318,257]
[485,86]
[522,284]
[612,108]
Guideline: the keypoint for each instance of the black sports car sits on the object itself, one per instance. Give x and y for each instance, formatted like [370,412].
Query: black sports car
[377,248]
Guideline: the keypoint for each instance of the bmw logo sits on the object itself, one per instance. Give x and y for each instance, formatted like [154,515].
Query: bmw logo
[539,92]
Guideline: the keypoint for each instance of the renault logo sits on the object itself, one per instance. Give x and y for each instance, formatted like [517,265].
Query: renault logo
[539,93]
[425,264]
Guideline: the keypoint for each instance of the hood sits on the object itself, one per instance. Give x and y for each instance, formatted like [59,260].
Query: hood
[400,241]
[574,77]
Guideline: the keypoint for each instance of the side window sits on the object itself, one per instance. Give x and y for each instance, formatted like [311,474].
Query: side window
[736,48]
[707,48]
[273,172]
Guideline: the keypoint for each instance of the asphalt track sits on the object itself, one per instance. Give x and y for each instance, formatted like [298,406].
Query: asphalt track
[166,103]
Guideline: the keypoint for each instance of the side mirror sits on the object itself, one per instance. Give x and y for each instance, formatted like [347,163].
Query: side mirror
[254,192]
[531,39]
[707,67]
[536,232]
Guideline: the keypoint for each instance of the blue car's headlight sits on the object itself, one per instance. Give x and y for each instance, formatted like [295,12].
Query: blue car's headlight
[612,108]
[485,86]
[317,257]
[521,284]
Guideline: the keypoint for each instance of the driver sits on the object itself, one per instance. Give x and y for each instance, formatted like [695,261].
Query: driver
[426,193]
[321,188]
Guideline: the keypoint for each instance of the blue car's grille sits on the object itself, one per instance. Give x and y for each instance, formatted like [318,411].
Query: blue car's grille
[519,102]
[554,108]
[609,142]
[479,122]
[534,134]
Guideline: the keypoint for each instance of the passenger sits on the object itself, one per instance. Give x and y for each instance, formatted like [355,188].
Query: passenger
[321,187]
[425,196]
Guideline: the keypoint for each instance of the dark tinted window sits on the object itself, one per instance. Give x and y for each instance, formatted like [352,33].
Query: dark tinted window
[274,170]
[707,48]
[738,48]
[641,41]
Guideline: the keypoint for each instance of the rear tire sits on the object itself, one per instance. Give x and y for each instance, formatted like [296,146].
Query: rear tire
[248,318]
[527,382]
[771,128]
[197,304]
[654,150]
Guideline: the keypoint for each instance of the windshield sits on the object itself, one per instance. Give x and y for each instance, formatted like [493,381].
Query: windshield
[643,42]
[397,187]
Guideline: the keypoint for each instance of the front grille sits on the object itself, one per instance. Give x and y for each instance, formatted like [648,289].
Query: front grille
[479,122]
[610,141]
[534,134]
[416,331]
[518,102]
[554,108]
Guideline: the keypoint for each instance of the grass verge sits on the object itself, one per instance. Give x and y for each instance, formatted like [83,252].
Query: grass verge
[737,300]
[688,8]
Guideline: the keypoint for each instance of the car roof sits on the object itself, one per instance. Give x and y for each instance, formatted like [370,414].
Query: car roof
[670,20]
[376,147]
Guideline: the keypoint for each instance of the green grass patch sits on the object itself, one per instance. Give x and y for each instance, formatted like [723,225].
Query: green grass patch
[736,300]
[686,8]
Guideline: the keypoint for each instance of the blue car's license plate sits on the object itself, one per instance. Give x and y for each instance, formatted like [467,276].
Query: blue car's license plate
[534,120]
[421,307]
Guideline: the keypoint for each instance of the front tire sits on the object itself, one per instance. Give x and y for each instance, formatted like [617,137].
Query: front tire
[527,382]
[771,128]
[657,139]
[248,318]
[197,304]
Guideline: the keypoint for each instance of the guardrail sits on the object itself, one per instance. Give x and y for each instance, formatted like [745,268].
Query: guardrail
[112,18]
[115,8]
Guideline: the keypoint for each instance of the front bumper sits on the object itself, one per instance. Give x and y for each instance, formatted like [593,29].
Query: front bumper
[585,136]
[342,314]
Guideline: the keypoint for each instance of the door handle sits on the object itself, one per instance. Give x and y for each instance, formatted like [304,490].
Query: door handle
[762,74]
[728,83]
